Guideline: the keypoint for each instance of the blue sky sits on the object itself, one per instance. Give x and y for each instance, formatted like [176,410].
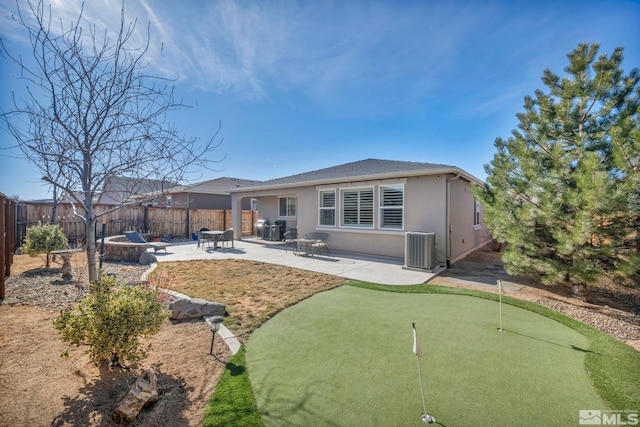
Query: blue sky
[300,86]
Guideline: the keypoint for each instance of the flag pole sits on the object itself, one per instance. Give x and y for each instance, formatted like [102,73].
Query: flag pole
[426,418]
[500,291]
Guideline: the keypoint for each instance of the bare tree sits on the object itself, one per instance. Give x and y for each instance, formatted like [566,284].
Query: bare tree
[92,110]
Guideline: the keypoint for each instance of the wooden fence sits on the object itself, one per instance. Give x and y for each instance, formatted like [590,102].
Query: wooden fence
[174,221]
[8,240]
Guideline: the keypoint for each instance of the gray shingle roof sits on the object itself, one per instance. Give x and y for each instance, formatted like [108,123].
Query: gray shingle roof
[214,186]
[135,186]
[360,169]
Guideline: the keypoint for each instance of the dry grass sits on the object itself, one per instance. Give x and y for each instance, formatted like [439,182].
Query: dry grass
[79,265]
[22,263]
[252,291]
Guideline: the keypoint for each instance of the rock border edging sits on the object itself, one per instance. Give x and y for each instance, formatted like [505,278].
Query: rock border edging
[227,336]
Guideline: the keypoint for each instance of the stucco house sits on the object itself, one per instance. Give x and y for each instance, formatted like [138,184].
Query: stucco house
[123,189]
[211,194]
[370,206]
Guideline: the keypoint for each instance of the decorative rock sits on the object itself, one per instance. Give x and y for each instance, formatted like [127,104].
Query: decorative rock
[147,258]
[143,391]
[194,308]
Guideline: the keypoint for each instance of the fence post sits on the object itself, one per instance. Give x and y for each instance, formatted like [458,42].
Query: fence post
[11,227]
[187,222]
[3,244]
[7,239]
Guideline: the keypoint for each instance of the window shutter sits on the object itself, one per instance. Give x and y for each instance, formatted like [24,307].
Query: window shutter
[357,207]
[391,206]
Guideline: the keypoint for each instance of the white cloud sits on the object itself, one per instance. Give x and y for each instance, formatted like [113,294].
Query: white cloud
[356,57]
[324,52]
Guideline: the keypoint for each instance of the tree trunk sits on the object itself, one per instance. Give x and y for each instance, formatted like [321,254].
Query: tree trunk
[92,266]
[579,291]
[54,207]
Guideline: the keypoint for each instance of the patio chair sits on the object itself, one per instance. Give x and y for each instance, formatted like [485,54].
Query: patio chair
[205,238]
[320,242]
[289,236]
[135,237]
[225,238]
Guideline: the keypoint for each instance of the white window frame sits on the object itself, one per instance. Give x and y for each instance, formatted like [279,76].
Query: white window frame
[360,209]
[476,215]
[291,202]
[169,202]
[382,207]
[322,208]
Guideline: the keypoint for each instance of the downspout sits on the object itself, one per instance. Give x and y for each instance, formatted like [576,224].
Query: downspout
[448,251]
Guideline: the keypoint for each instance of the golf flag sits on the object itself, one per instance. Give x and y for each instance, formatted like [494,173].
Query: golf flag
[416,344]
[426,418]
[501,292]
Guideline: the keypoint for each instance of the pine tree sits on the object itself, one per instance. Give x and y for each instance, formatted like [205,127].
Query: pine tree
[563,190]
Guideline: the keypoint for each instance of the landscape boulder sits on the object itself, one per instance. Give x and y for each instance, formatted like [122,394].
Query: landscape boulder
[143,391]
[147,258]
[194,308]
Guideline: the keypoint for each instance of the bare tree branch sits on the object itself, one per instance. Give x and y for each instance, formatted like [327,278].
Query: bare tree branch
[92,111]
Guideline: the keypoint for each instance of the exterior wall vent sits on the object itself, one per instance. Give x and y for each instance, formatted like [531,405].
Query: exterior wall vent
[420,250]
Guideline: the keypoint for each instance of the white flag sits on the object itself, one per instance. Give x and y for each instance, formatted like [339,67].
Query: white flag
[416,344]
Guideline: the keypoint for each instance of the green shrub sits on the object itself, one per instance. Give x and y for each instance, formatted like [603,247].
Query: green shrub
[111,319]
[44,239]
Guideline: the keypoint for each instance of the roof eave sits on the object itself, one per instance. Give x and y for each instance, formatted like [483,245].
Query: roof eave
[359,178]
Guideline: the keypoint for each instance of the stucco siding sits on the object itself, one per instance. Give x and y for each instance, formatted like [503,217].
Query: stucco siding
[205,201]
[465,237]
[180,200]
[438,203]
[426,210]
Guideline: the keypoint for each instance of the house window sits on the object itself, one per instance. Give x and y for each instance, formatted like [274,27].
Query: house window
[287,206]
[327,208]
[357,207]
[169,202]
[391,206]
[476,214]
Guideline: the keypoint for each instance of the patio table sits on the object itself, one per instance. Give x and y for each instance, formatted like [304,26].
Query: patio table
[302,246]
[214,233]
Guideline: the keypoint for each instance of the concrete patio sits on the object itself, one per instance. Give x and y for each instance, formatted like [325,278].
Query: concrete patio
[357,267]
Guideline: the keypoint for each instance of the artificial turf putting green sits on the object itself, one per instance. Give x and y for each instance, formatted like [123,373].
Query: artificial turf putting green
[344,358]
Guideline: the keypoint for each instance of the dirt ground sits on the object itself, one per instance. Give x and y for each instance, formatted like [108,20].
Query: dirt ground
[38,387]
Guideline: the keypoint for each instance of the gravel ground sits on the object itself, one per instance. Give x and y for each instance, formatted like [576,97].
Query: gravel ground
[46,288]
[620,324]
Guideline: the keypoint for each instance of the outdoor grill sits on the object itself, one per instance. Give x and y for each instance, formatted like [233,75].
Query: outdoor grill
[278,230]
[262,229]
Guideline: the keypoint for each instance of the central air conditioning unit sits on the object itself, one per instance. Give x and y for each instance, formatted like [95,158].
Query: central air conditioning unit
[420,250]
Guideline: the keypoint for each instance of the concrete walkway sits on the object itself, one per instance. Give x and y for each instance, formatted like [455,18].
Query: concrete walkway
[370,269]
